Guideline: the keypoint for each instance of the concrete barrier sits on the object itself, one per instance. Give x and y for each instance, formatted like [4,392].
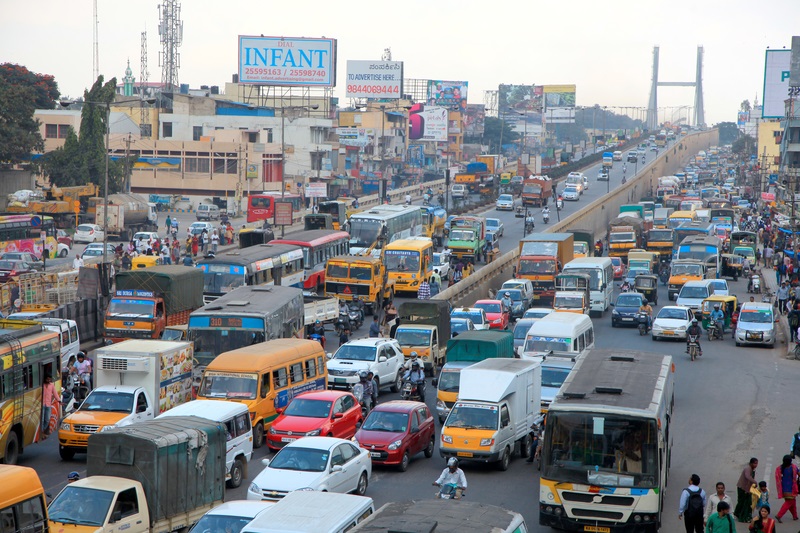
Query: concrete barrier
[596,215]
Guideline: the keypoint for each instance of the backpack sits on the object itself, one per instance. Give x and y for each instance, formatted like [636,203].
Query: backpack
[796,445]
[694,505]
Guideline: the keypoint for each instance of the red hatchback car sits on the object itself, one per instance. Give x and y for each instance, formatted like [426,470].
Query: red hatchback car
[316,413]
[619,267]
[498,319]
[396,431]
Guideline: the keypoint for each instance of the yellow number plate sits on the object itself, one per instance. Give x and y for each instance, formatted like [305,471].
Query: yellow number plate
[464,454]
[597,529]
[669,332]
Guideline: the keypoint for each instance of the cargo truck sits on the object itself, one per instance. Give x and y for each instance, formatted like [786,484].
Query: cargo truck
[148,300]
[424,329]
[583,244]
[359,276]
[463,351]
[492,162]
[476,176]
[624,234]
[135,380]
[541,258]
[126,213]
[537,191]
[466,237]
[608,160]
[159,476]
[496,407]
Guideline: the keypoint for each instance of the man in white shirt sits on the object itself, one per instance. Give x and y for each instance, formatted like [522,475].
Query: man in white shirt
[84,368]
[77,262]
[452,475]
[714,499]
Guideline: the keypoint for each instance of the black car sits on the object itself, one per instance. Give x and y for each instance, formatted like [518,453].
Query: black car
[625,309]
[632,157]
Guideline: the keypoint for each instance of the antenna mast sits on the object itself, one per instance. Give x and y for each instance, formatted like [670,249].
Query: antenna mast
[170,28]
[95,46]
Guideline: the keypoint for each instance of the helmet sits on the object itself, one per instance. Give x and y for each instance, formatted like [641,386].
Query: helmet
[73,476]
[716,306]
[414,355]
[80,354]
[415,364]
[317,322]
[452,462]
[694,321]
[362,375]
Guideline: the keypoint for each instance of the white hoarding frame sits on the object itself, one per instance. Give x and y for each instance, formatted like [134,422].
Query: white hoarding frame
[374,79]
[777,64]
[287,61]
[316,190]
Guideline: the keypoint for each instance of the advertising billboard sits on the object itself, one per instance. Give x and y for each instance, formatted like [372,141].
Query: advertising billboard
[742,118]
[415,155]
[474,119]
[427,123]
[514,101]
[448,93]
[350,136]
[374,79]
[289,61]
[559,104]
[777,66]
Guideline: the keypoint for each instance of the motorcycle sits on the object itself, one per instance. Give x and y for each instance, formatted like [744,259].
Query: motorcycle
[319,338]
[664,275]
[644,323]
[714,331]
[546,217]
[694,347]
[559,204]
[426,200]
[411,390]
[72,392]
[529,225]
[342,323]
[356,317]
[450,491]
[754,285]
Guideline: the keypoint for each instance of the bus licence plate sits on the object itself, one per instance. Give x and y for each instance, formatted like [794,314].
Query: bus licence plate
[597,529]
[339,380]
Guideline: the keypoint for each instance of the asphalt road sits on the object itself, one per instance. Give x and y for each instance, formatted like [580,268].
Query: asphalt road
[731,404]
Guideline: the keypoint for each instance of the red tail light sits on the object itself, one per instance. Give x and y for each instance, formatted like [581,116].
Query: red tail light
[12,273]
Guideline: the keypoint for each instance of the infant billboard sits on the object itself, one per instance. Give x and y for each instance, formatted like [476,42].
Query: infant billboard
[374,79]
[777,69]
[295,61]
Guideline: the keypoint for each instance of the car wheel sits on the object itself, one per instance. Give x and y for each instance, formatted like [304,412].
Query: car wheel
[361,488]
[65,453]
[655,338]
[505,460]
[237,474]
[398,382]
[429,449]
[526,446]
[258,435]
[403,466]
[63,253]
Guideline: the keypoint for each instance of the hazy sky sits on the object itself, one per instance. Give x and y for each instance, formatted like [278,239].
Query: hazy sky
[605,48]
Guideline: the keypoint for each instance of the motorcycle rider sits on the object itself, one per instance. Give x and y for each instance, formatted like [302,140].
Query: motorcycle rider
[560,202]
[452,475]
[408,199]
[694,330]
[647,310]
[718,318]
[546,214]
[507,302]
[318,329]
[530,222]
[367,390]
[417,375]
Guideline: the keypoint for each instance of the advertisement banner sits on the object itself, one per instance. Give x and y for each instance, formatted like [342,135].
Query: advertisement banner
[295,61]
[516,101]
[559,115]
[374,79]
[427,123]
[448,93]
[777,65]
[316,190]
[559,96]
[474,120]
[252,171]
[768,196]
[350,136]
[416,155]
[283,213]
[742,118]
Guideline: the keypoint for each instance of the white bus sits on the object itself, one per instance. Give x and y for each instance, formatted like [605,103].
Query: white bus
[606,451]
[383,224]
[601,284]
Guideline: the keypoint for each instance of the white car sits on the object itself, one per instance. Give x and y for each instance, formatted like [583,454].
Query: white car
[476,314]
[602,175]
[96,250]
[88,233]
[671,322]
[756,324]
[495,225]
[441,262]
[720,286]
[325,464]
[382,357]
[504,201]
[197,227]
[537,313]
[571,193]
[141,238]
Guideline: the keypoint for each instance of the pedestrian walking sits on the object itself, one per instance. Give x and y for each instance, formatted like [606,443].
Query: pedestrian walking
[786,485]
[436,276]
[50,404]
[714,499]
[783,297]
[721,521]
[168,224]
[424,291]
[762,523]
[435,287]
[214,242]
[195,245]
[747,480]
[375,327]
[692,504]
[794,320]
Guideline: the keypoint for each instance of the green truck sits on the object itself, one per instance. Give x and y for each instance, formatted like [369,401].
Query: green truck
[467,349]
[466,237]
[424,329]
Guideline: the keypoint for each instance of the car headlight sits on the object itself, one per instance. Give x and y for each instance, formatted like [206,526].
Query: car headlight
[447,439]
[487,442]
[681,328]
[66,426]
[107,428]
[396,444]
[306,489]
[254,489]
[312,433]
[272,430]
[615,312]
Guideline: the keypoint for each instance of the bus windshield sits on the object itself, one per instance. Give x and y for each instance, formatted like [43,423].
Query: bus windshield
[219,279]
[228,385]
[401,260]
[364,232]
[211,342]
[536,343]
[601,449]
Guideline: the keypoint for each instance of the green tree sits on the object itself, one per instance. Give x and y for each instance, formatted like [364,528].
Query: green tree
[728,132]
[66,166]
[744,146]
[745,106]
[43,87]
[496,130]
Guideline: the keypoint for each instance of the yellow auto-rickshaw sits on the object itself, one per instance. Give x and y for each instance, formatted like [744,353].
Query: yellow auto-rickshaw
[144,261]
[647,285]
[731,266]
[728,305]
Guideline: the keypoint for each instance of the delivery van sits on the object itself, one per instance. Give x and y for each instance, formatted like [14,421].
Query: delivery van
[236,419]
[497,403]
[265,377]
[561,333]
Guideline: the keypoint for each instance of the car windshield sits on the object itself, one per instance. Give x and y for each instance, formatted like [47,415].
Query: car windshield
[536,313]
[302,459]
[449,381]
[457,326]
[221,523]
[130,307]
[554,376]
[756,317]
[475,316]
[672,313]
[413,337]
[81,506]
[521,329]
[568,302]
[515,295]
[693,292]
[616,261]
[472,416]
[113,402]
[571,190]
[353,352]
[537,343]
[439,259]
[719,285]
[386,421]
[229,385]
[489,307]
[85,228]
[629,300]
[309,408]
[492,223]
[506,198]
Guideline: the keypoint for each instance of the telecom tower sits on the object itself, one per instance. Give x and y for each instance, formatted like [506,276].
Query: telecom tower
[652,107]
[144,75]
[170,28]
[95,46]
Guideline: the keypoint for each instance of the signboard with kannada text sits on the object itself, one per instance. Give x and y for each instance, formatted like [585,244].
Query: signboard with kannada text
[374,79]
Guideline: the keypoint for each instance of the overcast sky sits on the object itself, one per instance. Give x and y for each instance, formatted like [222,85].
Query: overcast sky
[605,48]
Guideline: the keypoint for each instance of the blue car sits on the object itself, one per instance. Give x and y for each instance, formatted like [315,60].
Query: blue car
[625,309]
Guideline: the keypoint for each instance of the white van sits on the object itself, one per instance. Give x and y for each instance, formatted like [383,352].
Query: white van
[693,293]
[303,511]
[236,418]
[207,212]
[230,516]
[569,334]
[68,336]
[459,190]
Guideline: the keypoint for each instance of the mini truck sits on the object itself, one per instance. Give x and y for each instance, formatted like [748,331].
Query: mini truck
[126,214]
[542,256]
[497,403]
[135,380]
[359,276]
[536,191]
[424,328]
[156,477]
[149,300]
[466,237]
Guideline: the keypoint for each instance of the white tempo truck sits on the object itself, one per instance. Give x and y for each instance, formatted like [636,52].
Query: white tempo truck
[498,400]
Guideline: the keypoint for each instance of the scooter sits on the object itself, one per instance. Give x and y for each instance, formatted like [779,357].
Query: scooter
[546,217]
[714,331]
[356,317]
[664,275]
[342,323]
[411,390]
[559,204]
[694,347]
[644,323]
[529,225]
[319,338]
[754,285]
[450,491]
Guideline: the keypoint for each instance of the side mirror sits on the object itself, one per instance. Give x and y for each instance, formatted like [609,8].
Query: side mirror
[611,304]
[336,468]
[382,359]
[265,462]
[116,516]
[329,355]
[279,410]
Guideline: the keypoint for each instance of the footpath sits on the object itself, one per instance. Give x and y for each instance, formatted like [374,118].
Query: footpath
[770,283]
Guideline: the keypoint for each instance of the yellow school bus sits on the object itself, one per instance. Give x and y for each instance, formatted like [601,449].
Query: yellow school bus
[679,217]
[408,262]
